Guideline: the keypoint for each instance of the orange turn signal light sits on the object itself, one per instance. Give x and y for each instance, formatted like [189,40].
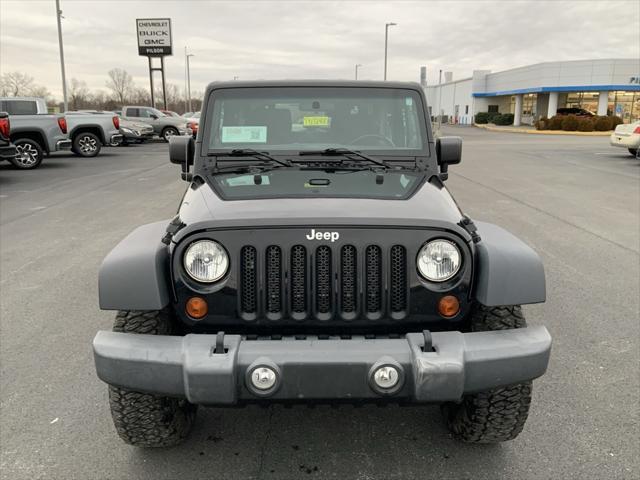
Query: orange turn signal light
[196,307]
[448,306]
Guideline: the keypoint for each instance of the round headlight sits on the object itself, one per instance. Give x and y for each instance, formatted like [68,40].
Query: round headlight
[439,260]
[206,261]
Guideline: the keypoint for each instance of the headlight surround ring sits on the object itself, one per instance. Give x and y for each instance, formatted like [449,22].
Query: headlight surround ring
[205,261]
[439,260]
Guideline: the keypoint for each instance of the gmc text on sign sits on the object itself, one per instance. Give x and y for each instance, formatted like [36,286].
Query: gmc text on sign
[154,36]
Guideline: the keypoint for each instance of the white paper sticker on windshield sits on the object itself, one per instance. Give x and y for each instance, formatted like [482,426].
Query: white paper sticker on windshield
[244,134]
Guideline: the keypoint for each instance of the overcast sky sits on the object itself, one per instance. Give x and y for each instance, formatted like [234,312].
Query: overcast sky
[319,39]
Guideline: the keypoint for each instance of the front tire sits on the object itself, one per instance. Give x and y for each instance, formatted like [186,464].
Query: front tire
[142,419]
[29,154]
[634,151]
[169,132]
[499,414]
[86,145]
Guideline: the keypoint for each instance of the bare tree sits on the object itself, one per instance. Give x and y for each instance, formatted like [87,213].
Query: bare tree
[174,99]
[140,96]
[121,83]
[39,91]
[15,84]
[78,94]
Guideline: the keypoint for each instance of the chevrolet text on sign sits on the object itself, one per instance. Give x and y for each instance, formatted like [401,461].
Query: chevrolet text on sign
[154,36]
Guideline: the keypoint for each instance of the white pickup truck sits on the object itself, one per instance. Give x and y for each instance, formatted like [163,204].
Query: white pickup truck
[88,132]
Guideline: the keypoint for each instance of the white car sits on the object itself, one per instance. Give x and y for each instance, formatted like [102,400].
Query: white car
[627,136]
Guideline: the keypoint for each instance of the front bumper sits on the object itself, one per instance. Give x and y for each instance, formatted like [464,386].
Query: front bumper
[63,144]
[315,369]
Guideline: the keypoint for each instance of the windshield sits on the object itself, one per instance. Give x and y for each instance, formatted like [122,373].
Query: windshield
[286,182]
[376,120]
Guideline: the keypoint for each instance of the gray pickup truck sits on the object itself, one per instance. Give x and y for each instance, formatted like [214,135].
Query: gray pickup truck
[163,125]
[7,149]
[34,134]
[88,130]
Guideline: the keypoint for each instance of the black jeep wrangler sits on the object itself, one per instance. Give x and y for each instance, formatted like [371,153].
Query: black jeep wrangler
[317,256]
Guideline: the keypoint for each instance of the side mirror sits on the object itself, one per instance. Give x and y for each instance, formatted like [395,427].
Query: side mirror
[449,152]
[153,116]
[181,151]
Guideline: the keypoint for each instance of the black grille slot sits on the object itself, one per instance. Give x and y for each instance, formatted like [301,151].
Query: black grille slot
[274,279]
[398,287]
[298,279]
[248,275]
[373,279]
[323,279]
[348,279]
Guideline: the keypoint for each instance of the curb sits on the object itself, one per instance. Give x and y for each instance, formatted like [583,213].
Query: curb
[541,132]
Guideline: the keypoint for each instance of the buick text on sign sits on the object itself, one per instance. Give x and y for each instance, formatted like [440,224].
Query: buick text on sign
[154,36]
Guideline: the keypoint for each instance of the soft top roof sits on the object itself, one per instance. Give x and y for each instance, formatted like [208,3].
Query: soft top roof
[314,83]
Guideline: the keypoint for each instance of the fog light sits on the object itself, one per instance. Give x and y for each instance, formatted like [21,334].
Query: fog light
[196,307]
[448,306]
[386,377]
[263,378]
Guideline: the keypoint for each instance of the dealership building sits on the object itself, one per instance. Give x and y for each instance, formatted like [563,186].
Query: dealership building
[604,87]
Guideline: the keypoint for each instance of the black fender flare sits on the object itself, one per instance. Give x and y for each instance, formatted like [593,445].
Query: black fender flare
[509,272]
[135,274]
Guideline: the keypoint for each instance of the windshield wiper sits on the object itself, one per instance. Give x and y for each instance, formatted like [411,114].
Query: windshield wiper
[250,152]
[344,152]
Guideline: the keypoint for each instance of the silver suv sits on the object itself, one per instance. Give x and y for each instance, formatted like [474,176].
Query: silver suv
[163,125]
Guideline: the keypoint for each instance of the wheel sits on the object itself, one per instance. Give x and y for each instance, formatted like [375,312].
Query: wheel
[499,414]
[29,154]
[169,132]
[86,145]
[142,419]
[634,151]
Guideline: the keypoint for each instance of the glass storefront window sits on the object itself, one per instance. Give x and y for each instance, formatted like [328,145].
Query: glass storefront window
[625,105]
[529,101]
[586,100]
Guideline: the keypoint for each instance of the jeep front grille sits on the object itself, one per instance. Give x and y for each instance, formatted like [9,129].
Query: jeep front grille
[323,283]
[248,275]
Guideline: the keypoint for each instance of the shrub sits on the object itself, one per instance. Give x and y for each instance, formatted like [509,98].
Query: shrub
[615,121]
[491,116]
[570,123]
[542,124]
[503,119]
[482,117]
[555,123]
[585,125]
[603,124]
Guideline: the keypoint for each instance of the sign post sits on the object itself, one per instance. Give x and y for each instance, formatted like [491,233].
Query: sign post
[154,40]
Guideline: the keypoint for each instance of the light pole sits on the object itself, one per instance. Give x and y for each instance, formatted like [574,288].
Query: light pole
[439,100]
[357,66]
[187,55]
[386,43]
[64,77]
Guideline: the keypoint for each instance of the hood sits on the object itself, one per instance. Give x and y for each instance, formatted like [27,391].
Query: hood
[430,206]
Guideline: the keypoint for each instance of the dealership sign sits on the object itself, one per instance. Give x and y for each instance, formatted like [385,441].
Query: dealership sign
[154,36]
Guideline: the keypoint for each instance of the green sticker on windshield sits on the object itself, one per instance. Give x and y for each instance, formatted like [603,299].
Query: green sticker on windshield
[244,134]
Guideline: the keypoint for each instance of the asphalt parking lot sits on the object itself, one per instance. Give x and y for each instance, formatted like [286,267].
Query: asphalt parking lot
[574,199]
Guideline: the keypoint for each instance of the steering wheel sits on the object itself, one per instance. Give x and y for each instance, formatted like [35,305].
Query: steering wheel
[384,140]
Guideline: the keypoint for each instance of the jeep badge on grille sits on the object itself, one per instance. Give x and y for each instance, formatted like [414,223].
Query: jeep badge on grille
[313,235]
